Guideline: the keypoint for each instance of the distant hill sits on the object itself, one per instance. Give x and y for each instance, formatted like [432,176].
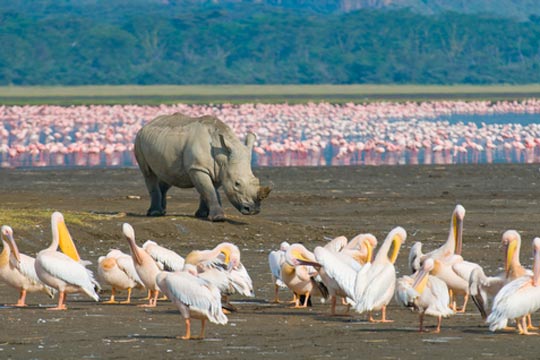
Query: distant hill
[83,42]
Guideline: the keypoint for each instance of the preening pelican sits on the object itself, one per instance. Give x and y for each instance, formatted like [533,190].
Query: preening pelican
[518,298]
[299,277]
[449,265]
[424,293]
[117,270]
[17,270]
[483,287]
[145,266]
[60,271]
[381,277]
[169,260]
[276,258]
[342,272]
[194,297]
[222,267]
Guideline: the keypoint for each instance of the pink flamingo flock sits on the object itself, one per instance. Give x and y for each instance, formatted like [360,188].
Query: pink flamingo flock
[381,133]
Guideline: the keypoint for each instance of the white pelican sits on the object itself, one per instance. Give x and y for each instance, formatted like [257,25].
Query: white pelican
[518,298]
[299,277]
[483,287]
[341,271]
[117,270]
[276,258]
[194,297]
[381,277]
[222,267]
[169,260]
[60,271]
[17,270]
[146,267]
[424,293]
[449,265]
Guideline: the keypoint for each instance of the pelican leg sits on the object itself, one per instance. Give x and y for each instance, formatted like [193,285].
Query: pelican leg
[188,330]
[529,323]
[203,323]
[61,302]
[522,326]
[128,300]
[421,318]
[148,295]
[111,300]
[306,299]
[333,305]
[22,299]
[439,322]
[383,317]
[465,300]
[153,299]
[276,294]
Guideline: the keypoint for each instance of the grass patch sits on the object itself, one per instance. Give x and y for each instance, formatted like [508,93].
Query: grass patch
[22,218]
[205,94]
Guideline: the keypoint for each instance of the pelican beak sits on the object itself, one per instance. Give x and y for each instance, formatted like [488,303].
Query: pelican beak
[227,253]
[303,260]
[395,251]
[510,250]
[14,248]
[536,267]
[369,256]
[421,281]
[65,242]
[458,234]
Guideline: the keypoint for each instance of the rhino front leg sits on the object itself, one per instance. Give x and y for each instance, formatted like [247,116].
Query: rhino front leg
[156,197]
[209,204]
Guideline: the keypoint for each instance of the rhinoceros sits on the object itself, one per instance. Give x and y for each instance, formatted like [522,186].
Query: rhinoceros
[177,150]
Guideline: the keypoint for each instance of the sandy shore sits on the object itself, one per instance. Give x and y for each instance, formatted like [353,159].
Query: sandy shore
[306,205]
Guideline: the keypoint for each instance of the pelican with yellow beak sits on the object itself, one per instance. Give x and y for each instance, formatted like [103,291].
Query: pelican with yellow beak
[17,270]
[518,298]
[342,272]
[424,293]
[64,271]
[299,276]
[381,277]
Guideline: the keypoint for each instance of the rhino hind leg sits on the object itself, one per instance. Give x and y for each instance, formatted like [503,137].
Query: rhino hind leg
[156,197]
[210,202]
[164,187]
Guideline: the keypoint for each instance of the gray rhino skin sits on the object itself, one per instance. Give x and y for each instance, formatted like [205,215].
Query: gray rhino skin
[177,150]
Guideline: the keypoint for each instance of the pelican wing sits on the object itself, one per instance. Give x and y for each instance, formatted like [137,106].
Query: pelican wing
[514,300]
[125,263]
[26,267]
[72,272]
[343,273]
[465,268]
[378,282]
[405,294]
[439,298]
[241,281]
[170,260]
[275,260]
[196,293]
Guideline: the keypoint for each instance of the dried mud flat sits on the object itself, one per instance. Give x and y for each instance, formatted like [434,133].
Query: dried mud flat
[306,205]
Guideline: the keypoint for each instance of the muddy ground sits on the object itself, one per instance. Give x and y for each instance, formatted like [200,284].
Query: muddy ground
[306,205]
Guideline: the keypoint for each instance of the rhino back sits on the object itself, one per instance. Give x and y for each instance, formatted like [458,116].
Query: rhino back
[171,145]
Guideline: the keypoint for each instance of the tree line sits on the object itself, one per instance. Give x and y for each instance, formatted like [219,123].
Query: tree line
[60,45]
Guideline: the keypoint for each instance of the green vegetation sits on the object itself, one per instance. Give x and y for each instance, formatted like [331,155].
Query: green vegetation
[200,94]
[143,42]
[22,218]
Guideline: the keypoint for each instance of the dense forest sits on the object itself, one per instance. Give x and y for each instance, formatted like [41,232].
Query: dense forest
[165,42]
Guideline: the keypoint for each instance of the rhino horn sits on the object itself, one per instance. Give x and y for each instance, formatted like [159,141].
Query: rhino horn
[264,191]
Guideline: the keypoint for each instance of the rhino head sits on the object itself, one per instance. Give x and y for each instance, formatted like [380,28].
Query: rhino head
[242,188]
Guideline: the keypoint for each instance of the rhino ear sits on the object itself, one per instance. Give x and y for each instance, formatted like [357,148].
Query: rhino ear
[250,140]
[224,144]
